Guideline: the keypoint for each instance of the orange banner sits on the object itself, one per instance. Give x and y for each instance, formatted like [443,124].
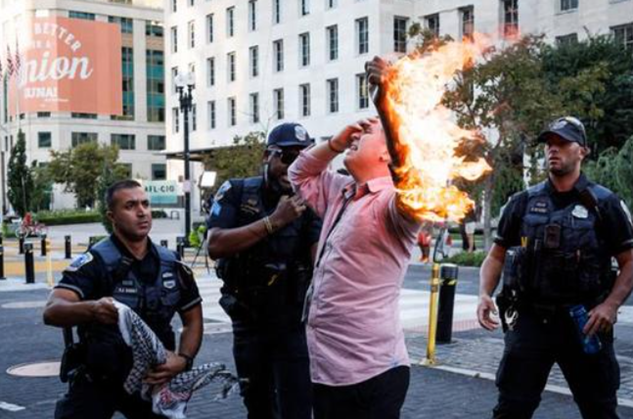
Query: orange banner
[68,65]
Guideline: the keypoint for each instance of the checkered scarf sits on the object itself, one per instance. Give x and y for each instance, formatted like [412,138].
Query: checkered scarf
[169,399]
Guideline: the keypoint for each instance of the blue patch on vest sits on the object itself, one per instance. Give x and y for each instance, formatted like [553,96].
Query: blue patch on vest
[216,208]
[79,261]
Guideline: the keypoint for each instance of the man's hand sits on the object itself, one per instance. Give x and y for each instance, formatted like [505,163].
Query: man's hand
[104,311]
[288,209]
[376,69]
[484,309]
[161,374]
[601,319]
[344,139]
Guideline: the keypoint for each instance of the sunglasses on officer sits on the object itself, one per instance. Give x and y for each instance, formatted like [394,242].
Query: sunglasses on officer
[287,156]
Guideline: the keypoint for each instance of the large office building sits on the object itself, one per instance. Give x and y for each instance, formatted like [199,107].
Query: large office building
[139,128]
[261,62]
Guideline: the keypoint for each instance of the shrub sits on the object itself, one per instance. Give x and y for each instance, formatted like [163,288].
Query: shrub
[63,217]
[466,259]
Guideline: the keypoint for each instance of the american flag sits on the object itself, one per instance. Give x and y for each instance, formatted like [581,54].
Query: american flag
[17,60]
[10,68]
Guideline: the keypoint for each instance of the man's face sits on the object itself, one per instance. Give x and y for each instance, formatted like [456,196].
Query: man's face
[563,156]
[279,158]
[131,214]
[366,148]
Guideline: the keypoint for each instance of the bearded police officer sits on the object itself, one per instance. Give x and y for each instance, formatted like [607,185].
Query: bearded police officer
[150,279]
[265,240]
[555,245]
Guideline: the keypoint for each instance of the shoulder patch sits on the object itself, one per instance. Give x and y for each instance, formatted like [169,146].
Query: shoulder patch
[223,189]
[626,211]
[79,261]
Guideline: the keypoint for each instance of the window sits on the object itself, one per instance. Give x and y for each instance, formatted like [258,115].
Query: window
[278,103]
[278,50]
[230,60]
[175,115]
[44,140]
[126,24]
[174,74]
[155,63]
[331,4]
[232,112]
[124,141]
[400,34]
[230,22]
[211,71]
[174,39]
[362,91]
[211,111]
[127,72]
[83,137]
[156,142]
[81,15]
[362,36]
[194,117]
[276,11]
[83,115]
[467,17]
[159,171]
[153,28]
[569,39]
[566,5]
[304,99]
[253,53]
[304,7]
[192,34]
[332,95]
[510,18]
[254,107]
[192,3]
[432,23]
[252,15]
[43,114]
[332,42]
[210,28]
[174,6]
[624,34]
[304,47]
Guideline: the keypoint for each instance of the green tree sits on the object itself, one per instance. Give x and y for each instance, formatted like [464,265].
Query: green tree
[111,172]
[20,179]
[614,169]
[82,168]
[243,159]
[42,187]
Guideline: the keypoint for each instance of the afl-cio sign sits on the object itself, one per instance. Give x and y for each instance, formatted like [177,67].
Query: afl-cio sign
[162,192]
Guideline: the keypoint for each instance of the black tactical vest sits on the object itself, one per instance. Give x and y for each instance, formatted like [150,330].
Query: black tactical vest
[566,260]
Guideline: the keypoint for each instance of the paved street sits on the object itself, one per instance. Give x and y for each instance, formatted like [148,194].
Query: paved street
[460,386]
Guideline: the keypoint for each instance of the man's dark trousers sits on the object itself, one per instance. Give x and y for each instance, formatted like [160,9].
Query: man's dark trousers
[532,348]
[380,397]
[277,368]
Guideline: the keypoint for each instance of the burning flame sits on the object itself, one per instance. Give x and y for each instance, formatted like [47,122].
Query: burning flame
[426,135]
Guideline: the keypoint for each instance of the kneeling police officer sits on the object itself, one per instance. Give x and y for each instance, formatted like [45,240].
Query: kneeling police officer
[265,239]
[555,244]
[151,280]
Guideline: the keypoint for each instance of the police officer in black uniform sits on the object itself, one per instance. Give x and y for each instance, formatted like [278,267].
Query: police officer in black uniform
[129,268]
[555,245]
[265,239]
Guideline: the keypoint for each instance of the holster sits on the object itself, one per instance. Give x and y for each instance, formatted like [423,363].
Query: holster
[502,304]
[73,360]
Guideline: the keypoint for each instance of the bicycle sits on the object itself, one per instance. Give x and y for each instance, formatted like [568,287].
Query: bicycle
[28,228]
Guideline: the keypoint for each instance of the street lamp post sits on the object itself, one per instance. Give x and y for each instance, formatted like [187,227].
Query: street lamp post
[185,85]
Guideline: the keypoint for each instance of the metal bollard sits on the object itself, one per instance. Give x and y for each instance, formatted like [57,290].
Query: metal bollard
[180,246]
[1,240]
[165,244]
[43,245]
[29,268]
[449,273]
[21,244]
[430,347]
[2,262]
[67,248]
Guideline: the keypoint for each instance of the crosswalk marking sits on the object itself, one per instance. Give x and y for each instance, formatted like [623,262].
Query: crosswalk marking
[414,306]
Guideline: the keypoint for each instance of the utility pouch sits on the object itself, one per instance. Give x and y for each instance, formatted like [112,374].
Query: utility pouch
[513,267]
[503,303]
[73,358]
[552,236]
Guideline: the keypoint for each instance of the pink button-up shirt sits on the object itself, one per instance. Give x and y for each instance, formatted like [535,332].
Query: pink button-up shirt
[353,327]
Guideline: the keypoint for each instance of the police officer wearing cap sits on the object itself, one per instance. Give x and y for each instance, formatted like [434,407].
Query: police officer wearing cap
[130,268]
[265,240]
[555,245]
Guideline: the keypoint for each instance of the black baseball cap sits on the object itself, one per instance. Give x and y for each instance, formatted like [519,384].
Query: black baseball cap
[568,128]
[289,134]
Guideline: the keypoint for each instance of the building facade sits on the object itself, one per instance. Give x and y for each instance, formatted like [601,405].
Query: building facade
[258,63]
[139,132]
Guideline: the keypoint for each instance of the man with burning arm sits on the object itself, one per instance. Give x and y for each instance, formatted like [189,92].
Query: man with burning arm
[358,359]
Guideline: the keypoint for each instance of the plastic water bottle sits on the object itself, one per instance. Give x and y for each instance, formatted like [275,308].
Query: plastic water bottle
[590,344]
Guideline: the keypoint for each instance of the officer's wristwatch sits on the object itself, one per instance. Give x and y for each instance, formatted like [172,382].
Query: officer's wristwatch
[189,360]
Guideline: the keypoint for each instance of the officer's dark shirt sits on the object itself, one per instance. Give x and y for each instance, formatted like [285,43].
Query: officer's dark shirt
[89,278]
[615,228]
